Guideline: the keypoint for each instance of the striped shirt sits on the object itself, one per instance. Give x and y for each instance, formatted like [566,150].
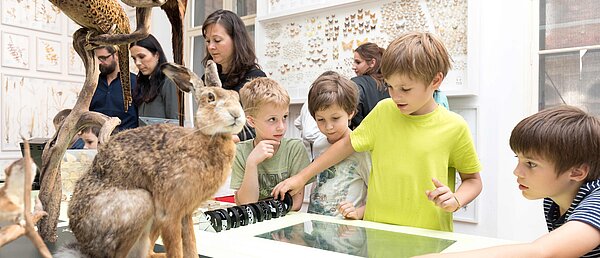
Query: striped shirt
[585,208]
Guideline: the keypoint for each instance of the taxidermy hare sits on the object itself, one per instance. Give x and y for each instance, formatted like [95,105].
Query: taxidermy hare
[148,181]
[12,200]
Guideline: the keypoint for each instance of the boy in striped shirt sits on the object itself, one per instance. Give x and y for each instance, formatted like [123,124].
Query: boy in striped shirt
[559,160]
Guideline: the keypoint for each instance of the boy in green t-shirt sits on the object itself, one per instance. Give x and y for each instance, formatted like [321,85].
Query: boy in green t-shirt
[416,146]
[263,162]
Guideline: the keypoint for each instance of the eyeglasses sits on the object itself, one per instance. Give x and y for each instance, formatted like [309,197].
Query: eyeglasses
[104,58]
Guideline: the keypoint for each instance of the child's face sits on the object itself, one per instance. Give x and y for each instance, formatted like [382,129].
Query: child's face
[270,121]
[412,96]
[90,140]
[333,122]
[537,178]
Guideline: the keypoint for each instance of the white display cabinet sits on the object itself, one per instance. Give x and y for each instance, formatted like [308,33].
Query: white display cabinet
[298,40]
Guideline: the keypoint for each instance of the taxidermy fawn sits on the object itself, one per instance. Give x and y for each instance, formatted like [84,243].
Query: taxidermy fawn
[148,181]
[12,200]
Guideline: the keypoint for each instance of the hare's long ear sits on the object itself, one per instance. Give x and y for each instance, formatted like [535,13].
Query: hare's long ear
[211,75]
[185,79]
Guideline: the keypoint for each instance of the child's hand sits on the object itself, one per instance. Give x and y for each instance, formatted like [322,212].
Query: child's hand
[442,197]
[348,210]
[262,151]
[345,231]
[293,185]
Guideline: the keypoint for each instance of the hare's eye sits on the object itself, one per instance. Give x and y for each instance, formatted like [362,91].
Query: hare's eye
[211,97]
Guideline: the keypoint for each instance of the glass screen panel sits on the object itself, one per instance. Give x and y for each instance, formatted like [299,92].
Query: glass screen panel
[358,241]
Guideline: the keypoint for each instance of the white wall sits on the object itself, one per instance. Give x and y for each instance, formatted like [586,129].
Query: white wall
[161,29]
[506,95]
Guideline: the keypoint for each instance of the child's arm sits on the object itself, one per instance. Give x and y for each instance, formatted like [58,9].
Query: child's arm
[573,239]
[298,200]
[336,153]
[348,210]
[466,192]
[248,192]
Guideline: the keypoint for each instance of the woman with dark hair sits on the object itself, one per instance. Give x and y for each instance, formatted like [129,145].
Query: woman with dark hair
[229,45]
[371,87]
[156,94]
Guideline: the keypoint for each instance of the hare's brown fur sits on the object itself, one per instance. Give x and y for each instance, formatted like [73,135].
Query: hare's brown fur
[147,182]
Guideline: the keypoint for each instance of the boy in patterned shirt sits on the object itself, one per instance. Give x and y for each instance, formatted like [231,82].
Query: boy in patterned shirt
[559,160]
[340,190]
[263,162]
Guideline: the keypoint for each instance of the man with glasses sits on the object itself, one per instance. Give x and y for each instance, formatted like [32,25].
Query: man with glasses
[108,98]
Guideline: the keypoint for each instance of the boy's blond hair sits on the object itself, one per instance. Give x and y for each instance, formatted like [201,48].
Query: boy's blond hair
[564,135]
[261,91]
[418,55]
[330,88]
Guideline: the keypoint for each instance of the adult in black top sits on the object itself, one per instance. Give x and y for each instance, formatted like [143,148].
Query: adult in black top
[371,87]
[251,74]
[229,45]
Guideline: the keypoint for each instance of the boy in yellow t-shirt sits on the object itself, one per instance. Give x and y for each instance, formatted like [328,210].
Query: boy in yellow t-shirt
[416,146]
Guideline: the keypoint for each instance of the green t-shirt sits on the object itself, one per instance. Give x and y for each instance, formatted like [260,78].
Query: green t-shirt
[290,158]
[406,153]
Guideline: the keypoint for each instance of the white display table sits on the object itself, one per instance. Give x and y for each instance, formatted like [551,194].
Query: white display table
[242,241]
[360,238]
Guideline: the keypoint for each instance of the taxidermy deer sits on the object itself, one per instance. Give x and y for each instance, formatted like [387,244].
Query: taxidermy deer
[148,181]
[13,192]
[15,204]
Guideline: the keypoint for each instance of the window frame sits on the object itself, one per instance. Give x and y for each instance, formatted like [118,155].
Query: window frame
[537,74]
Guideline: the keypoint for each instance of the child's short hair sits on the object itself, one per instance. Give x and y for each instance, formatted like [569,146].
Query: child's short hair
[261,91]
[418,55]
[564,135]
[331,88]
[91,129]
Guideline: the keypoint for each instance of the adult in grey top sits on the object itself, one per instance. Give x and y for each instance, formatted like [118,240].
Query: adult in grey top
[155,94]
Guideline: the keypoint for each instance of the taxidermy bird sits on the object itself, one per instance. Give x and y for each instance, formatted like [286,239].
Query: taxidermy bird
[104,17]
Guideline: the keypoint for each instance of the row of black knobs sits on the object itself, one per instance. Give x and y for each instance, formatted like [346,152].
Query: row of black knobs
[242,215]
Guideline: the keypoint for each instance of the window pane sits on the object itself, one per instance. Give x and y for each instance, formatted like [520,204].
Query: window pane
[245,7]
[198,55]
[203,8]
[250,30]
[569,23]
[561,80]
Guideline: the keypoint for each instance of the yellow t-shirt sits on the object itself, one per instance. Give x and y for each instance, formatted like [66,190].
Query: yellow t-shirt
[407,152]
